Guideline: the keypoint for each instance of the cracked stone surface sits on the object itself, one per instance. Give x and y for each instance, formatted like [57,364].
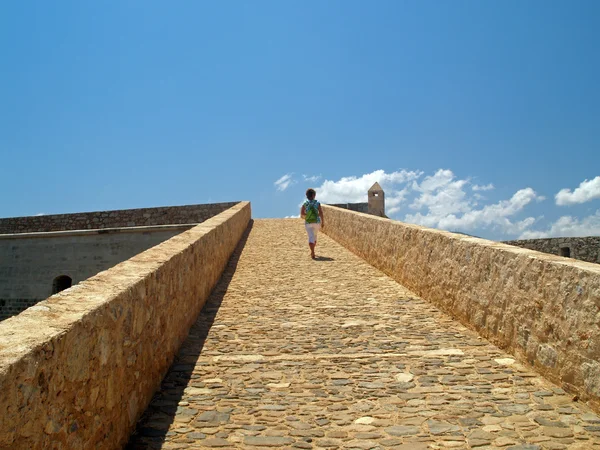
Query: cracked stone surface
[296,353]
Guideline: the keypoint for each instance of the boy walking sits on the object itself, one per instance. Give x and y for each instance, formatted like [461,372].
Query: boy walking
[312,213]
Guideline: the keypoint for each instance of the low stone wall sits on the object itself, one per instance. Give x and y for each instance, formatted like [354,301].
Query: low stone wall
[583,248]
[168,215]
[544,309]
[78,369]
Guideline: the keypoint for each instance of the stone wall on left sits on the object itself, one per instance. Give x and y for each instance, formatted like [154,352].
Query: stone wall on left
[78,369]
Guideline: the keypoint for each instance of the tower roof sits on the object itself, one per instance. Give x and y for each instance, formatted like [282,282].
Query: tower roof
[375,187]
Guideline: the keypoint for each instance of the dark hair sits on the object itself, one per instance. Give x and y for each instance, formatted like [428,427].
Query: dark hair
[311,194]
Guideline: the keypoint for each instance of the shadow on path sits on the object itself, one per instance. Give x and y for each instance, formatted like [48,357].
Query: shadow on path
[324,258]
[152,428]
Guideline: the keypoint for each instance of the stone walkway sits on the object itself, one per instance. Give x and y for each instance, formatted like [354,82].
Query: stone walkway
[295,353]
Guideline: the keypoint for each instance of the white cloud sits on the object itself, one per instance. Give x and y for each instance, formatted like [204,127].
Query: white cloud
[587,190]
[292,217]
[441,194]
[312,179]
[487,187]
[284,182]
[40,214]
[394,201]
[354,189]
[442,200]
[568,226]
[447,206]
[495,216]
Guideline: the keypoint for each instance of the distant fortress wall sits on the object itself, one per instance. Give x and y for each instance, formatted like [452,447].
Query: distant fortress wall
[358,207]
[34,256]
[30,263]
[168,215]
[78,369]
[374,206]
[582,248]
[543,308]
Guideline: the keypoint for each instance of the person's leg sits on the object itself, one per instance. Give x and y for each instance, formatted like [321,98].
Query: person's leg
[311,239]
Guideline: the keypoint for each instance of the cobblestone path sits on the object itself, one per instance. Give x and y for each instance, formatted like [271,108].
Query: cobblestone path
[295,353]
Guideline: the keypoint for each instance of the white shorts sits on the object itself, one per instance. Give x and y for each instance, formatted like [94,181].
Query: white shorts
[313,230]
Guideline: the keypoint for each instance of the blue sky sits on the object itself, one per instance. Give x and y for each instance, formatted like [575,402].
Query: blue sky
[125,104]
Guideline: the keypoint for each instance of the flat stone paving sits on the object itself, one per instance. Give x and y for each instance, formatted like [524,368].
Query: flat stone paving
[295,353]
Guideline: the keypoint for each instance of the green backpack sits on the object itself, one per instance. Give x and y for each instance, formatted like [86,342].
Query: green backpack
[312,211]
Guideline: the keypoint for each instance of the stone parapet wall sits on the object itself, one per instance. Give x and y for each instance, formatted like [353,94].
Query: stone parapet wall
[582,248]
[544,309]
[167,215]
[78,369]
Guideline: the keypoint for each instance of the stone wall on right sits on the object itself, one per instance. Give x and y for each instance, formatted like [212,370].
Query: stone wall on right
[582,248]
[542,308]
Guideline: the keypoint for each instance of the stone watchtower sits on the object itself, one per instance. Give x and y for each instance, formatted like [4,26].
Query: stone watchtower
[376,201]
